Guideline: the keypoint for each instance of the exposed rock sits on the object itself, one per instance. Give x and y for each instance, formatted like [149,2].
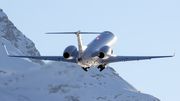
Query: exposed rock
[20,41]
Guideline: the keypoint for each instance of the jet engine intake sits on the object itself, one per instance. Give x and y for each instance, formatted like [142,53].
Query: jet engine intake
[69,52]
[104,52]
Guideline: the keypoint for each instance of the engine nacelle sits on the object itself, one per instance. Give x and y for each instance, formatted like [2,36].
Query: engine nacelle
[69,52]
[104,52]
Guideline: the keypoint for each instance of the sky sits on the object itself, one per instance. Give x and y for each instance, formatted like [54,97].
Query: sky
[143,27]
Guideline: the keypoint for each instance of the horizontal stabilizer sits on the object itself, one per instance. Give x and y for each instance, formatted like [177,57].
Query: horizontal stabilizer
[74,32]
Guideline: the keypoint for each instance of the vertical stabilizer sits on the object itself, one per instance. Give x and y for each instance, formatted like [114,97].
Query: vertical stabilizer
[80,45]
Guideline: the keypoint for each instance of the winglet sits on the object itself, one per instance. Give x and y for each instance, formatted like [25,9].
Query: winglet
[6,49]
[174,52]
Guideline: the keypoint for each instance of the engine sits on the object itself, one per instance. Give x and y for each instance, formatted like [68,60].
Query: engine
[104,52]
[69,52]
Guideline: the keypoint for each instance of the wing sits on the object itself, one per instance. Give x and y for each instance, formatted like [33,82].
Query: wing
[130,58]
[54,58]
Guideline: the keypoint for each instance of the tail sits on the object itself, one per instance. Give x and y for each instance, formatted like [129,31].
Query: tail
[78,33]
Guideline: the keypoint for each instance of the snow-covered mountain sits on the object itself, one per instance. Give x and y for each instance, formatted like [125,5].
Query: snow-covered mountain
[24,80]
[60,81]
[15,37]
[8,65]
[17,44]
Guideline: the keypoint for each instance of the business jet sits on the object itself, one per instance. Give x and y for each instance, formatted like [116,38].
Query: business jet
[96,53]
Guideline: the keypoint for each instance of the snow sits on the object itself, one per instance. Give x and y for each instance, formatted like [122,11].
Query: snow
[1,33]
[65,82]
[12,65]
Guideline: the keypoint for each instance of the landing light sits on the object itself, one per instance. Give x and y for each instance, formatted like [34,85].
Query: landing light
[97,38]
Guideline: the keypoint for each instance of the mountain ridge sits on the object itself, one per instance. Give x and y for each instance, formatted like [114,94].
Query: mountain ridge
[13,35]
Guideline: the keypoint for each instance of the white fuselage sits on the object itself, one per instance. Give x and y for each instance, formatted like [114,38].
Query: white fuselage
[89,56]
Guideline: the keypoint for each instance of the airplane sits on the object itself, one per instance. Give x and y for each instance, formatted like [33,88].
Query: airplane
[96,53]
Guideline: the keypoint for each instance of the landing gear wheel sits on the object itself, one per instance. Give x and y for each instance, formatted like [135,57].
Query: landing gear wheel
[101,67]
[85,68]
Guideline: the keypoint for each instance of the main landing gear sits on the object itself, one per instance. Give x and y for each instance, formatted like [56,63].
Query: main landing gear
[101,67]
[85,68]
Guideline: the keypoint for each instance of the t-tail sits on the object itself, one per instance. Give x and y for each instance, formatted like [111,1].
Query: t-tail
[80,44]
